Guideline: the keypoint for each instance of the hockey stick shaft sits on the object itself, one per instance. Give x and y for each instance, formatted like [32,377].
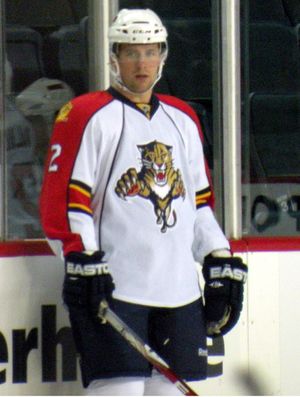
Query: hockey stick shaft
[106,314]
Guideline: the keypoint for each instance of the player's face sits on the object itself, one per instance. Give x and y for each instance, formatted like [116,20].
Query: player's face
[139,65]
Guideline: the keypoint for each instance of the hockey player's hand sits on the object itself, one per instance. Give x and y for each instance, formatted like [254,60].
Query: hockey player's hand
[87,280]
[223,292]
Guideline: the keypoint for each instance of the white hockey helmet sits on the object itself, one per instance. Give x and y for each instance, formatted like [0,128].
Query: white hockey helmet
[136,26]
[44,97]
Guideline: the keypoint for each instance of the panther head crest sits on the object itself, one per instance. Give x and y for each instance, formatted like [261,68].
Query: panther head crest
[157,181]
[157,159]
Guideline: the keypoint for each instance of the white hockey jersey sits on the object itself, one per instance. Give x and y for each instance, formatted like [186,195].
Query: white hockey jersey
[135,187]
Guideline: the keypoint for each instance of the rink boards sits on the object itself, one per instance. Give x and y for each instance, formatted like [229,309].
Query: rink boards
[37,354]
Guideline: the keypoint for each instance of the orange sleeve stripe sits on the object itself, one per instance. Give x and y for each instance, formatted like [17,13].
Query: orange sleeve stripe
[202,197]
[79,198]
[80,189]
[80,208]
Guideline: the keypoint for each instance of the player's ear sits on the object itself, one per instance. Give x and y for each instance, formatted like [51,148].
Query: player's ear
[113,63]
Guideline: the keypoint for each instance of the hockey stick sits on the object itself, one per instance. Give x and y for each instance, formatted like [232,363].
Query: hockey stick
[106,314]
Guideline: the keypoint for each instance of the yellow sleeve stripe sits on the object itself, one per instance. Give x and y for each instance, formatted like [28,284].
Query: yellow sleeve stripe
[203,197]
[201,202]
[80,207]
[80,189]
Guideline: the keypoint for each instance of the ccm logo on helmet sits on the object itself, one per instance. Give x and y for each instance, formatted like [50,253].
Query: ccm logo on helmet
[226,271]
[140,31]
[87,270]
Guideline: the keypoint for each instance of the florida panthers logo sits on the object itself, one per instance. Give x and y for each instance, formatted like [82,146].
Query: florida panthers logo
[156,181]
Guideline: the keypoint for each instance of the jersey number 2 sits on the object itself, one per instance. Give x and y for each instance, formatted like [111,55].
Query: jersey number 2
[56,149]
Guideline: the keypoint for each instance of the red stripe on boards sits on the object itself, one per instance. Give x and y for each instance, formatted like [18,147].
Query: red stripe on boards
[249,244]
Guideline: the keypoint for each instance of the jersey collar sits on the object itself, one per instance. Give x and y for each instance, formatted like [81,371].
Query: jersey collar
[154,101]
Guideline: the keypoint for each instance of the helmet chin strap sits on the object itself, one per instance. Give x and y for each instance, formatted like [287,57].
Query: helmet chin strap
[120,83]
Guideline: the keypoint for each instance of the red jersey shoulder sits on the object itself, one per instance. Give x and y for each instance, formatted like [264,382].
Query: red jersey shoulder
[83,106]
[179,104]
[184,107]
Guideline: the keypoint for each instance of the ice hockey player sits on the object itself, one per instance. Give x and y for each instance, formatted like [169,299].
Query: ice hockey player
[126,201]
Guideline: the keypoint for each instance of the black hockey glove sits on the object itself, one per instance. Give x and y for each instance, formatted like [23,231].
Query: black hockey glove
[223,293]
[87,281]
